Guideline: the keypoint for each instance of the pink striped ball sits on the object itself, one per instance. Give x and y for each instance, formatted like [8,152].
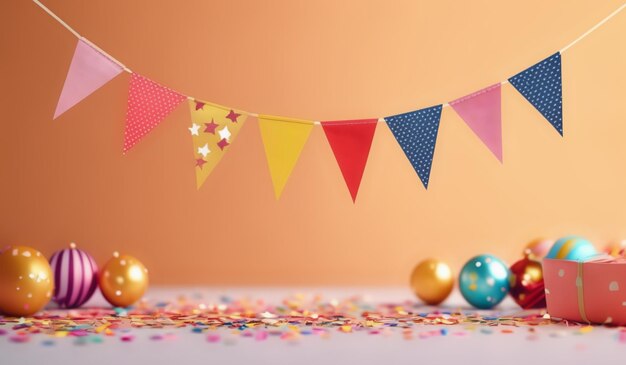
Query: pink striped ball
[75,277]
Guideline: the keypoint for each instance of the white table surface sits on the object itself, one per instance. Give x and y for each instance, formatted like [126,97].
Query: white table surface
[549,344]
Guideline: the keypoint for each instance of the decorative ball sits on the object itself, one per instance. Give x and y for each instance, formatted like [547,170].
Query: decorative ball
[538,248]
[123,280]
[484,281]
[26,281]
[75,276]
[432,281]
[527,287]
[572,248]
[616,249]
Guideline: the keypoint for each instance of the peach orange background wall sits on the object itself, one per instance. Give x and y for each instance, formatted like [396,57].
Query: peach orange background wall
[67,180]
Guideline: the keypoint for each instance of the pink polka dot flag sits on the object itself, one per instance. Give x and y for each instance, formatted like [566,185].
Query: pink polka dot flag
[148,104]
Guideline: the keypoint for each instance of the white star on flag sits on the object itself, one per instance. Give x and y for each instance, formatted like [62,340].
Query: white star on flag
[204,150]
[194,129]
[224,133]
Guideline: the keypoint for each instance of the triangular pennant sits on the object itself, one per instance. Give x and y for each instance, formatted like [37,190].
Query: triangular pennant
[88,71]
[481,111]
[541,85]
[416,132]
[213,129]
[350,141]
[148,104]
[283,140]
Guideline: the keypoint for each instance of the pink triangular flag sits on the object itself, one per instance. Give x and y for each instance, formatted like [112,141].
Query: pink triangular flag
[481,111]
[148,104]
[88,71]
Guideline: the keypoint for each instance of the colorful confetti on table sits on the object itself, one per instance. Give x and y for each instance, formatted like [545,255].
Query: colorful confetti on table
[295,318]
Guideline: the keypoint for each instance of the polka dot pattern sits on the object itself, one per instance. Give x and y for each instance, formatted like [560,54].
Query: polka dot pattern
[541,85]
[148,104]
[416,132]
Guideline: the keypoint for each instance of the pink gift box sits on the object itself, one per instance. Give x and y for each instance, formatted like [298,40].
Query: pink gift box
[589,291]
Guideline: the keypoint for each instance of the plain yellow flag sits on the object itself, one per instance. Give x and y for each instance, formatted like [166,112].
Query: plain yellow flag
[283,139]
[213,129]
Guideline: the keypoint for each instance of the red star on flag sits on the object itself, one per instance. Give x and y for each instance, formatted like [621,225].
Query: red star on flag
[222,143]
[210,127]
[200,162]
[199,105]
[233,116]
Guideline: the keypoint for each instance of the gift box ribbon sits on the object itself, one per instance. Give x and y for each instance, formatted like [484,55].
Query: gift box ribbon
[579,287]
[579,281]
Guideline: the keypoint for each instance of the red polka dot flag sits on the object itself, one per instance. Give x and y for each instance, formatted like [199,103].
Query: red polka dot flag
[148,104]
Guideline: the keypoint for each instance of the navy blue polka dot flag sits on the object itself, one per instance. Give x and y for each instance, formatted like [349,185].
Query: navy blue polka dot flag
[541,86]
[416,132]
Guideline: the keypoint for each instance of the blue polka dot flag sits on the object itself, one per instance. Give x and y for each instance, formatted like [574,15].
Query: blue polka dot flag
[541,86]
[416,132]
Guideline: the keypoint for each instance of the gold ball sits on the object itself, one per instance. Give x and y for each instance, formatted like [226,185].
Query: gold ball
[432,281]
[123,280]
[26,281]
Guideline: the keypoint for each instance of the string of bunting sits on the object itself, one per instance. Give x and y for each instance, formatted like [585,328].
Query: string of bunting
[215,127]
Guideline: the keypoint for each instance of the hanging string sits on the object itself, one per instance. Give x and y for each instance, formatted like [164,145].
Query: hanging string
[77,35]
[593,28]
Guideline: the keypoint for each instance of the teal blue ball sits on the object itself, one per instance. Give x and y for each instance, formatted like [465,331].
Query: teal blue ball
[484,281]
[572,248]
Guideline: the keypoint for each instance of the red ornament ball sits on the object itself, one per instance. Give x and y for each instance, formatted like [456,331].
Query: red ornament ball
[527,288]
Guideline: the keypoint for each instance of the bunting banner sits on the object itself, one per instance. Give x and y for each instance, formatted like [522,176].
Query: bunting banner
[481,111]
[148,104]
[350,141]
[213,129]
[541,85]
[283,139]
[416,133]
[88,72]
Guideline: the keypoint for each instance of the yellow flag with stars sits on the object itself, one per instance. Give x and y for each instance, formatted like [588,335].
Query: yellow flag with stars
[283,139]
[213,129]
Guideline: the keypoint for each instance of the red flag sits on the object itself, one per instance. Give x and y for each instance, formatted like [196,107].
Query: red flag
[350,141]
[148,104]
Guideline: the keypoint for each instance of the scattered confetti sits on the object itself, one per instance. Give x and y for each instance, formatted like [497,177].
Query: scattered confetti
[20,338]
[95,339]
[213,338]
[581,347]
[127,338]
[120,312]
[261,336]
[586,329]
[295,317]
